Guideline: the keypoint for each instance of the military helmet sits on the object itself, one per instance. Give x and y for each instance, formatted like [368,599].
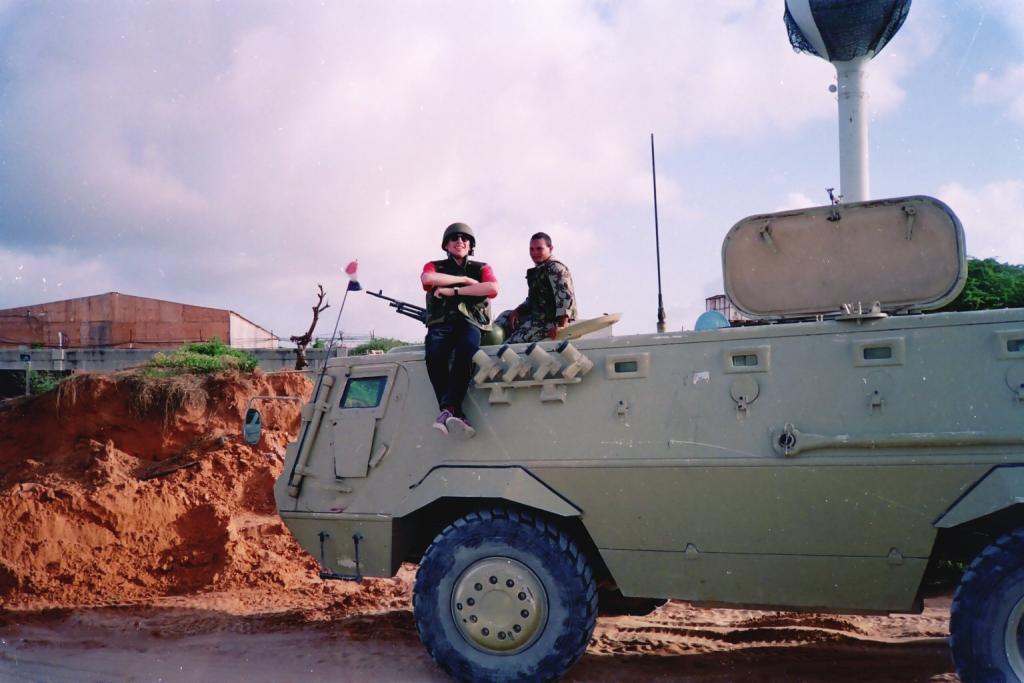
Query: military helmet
[456,228]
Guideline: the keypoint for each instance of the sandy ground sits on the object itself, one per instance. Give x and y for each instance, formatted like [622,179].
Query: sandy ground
[676,643]
[140,543]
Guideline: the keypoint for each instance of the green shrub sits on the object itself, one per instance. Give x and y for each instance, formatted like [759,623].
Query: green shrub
[384,344]
[204,357]
[42,381]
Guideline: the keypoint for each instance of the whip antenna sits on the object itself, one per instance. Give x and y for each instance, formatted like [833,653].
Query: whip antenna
[657,241]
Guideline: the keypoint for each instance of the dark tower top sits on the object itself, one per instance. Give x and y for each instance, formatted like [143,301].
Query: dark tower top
[848,28]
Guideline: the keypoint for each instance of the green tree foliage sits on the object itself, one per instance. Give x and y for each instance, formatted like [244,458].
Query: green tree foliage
[384,344]
[41,381]
[204,357]
[990,284]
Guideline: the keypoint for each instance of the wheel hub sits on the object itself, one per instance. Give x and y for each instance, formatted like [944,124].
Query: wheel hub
[499,605]
[1014,637]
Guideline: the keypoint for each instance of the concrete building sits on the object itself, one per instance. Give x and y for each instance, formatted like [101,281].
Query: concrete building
[115,320]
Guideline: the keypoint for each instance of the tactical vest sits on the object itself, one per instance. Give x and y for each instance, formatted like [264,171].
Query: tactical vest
[541,295]
[475,309]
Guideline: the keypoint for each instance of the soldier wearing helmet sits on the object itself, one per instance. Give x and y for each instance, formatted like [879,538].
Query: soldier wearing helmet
[550,303]
[459,291]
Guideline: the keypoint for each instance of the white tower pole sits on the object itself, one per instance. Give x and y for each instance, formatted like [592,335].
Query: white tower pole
[853,130]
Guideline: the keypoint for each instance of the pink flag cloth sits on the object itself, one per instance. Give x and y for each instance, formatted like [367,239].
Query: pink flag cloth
[350,270]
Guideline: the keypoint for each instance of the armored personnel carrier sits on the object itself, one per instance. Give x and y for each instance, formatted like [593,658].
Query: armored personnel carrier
[841,451]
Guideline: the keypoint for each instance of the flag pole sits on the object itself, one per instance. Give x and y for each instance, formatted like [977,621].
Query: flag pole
[353,286]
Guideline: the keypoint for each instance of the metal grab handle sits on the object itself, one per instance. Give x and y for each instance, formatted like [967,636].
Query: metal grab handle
[910,213]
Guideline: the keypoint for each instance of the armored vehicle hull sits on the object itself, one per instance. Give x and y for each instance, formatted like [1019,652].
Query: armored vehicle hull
[832,465]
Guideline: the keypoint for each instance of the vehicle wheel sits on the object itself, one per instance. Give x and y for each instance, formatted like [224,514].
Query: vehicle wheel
[986,624]
[503,595]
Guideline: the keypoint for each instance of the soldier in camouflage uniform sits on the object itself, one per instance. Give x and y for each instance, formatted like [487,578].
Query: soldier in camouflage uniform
[550,303]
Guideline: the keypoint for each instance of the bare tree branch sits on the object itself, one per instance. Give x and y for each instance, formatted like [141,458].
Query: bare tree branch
[302,341]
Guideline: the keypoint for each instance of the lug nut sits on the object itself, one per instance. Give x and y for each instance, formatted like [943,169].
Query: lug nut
[470,602]
[494,579]
[479,587]
[486,631]
[522,596]
[510,583]
[517,628]
[525,613]
[472,617]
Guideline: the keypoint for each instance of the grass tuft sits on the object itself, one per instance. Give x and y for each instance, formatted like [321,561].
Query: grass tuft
[202,358]
[149,395]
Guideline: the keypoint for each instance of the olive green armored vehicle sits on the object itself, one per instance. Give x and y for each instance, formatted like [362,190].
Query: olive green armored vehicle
[841,450]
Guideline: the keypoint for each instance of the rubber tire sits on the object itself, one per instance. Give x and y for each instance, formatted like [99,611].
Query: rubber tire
[557,562]
[982,604]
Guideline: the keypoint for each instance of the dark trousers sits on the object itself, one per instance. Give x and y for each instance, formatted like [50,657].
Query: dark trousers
[449,350]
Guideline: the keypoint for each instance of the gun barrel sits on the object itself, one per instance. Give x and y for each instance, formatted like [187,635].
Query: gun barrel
[402,307]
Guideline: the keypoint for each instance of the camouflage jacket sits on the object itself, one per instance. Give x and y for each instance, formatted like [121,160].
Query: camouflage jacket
[551,294]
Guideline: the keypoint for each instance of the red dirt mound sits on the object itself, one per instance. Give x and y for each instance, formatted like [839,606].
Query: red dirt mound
[120,489]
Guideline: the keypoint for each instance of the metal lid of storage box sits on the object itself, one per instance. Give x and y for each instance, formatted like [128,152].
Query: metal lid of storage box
[905,254]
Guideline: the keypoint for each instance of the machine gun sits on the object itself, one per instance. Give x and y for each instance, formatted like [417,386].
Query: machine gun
[403,307]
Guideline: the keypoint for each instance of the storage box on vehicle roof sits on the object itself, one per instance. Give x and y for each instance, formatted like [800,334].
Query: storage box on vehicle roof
[906,253]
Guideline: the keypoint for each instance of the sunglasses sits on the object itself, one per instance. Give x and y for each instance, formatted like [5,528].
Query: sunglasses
[457,237]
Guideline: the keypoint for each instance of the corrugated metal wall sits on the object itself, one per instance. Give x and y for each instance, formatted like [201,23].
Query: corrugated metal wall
[116,320]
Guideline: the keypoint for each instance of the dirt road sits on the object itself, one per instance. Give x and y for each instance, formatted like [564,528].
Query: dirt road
[676,643]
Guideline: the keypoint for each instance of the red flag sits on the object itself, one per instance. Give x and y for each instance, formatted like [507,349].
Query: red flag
[350,270]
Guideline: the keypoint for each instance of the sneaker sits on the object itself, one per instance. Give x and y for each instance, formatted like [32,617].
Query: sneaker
[460,427]
[441,423]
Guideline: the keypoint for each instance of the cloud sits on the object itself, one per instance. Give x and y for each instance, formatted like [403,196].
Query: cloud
[991,216]
[235,156]
[1004,88]
[42,277]
[1011,12]
[916,42]
[796,200]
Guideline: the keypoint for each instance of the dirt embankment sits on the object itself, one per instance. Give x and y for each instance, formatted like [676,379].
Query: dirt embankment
[122,489]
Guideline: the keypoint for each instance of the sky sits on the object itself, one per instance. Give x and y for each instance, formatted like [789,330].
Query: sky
[237,154]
